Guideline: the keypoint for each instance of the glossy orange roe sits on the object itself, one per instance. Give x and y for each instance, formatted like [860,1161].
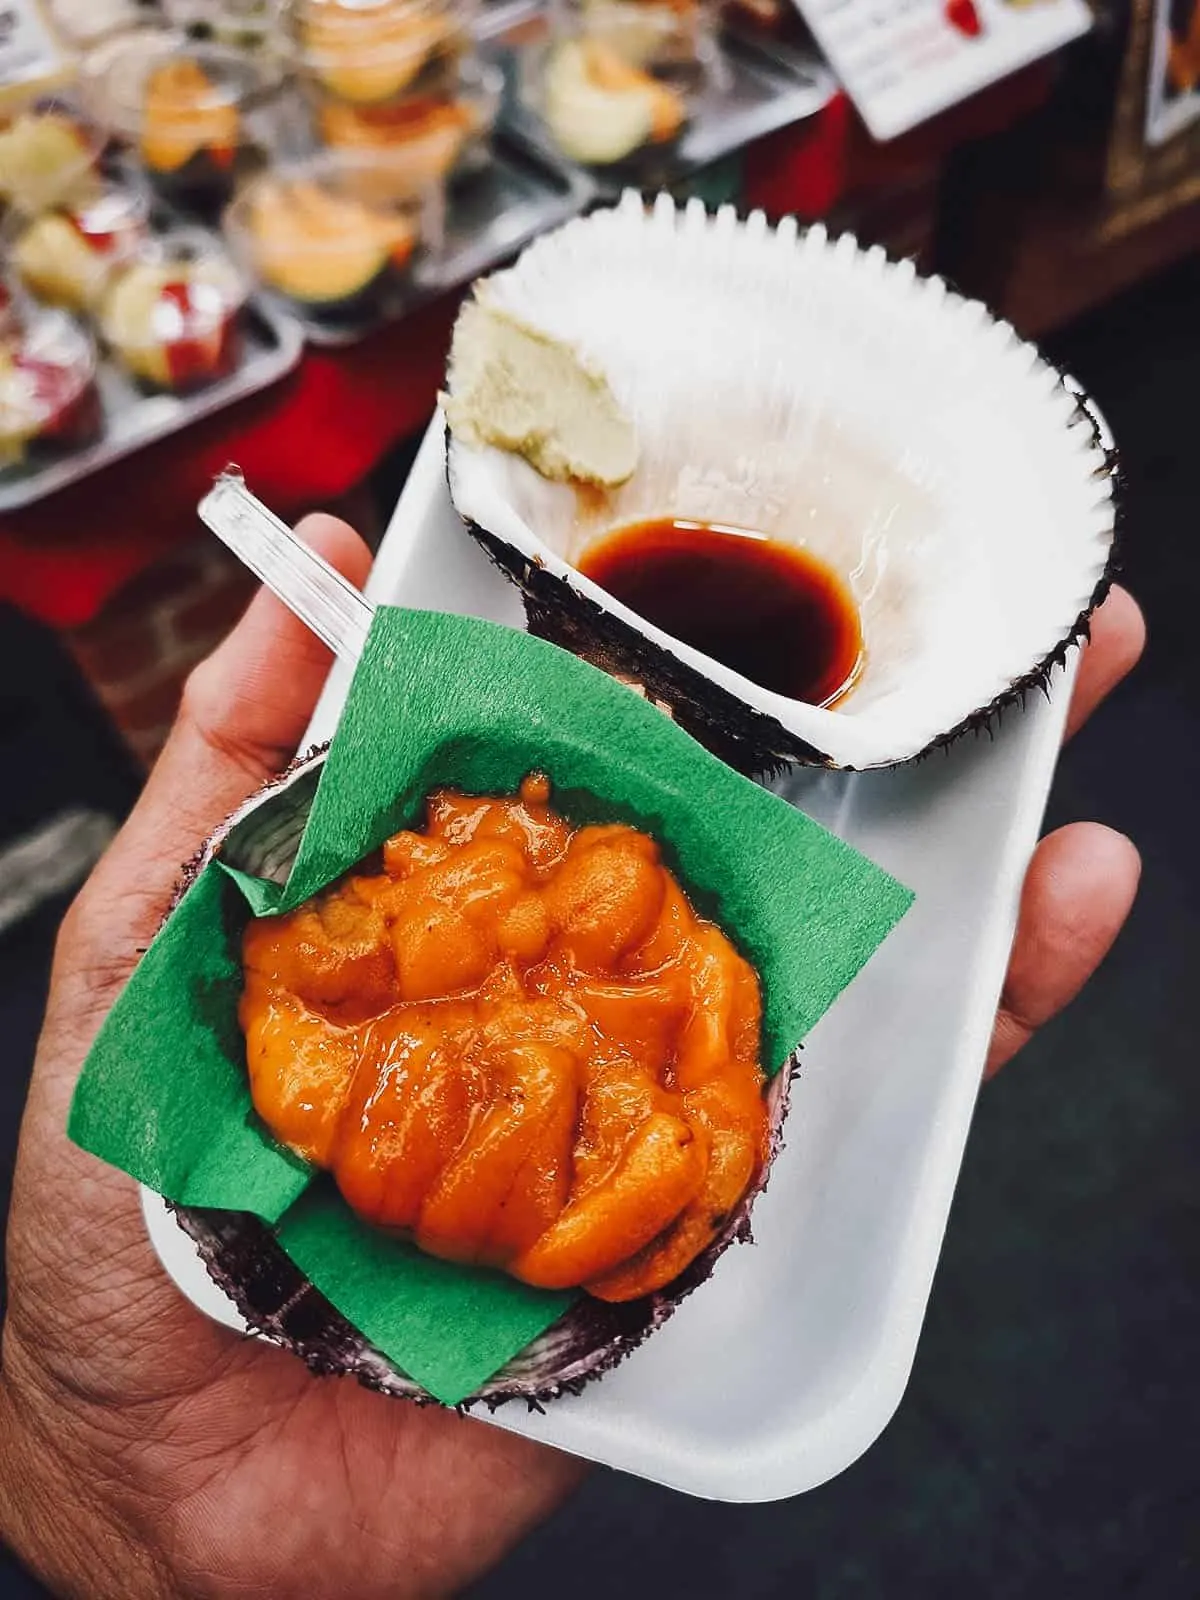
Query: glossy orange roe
[518,1044]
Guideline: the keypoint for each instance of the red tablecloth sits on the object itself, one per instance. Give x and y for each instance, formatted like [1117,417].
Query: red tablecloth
[305,441]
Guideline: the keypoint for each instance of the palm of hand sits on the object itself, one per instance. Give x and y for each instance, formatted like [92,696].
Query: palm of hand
[145,1451]
[221,1455]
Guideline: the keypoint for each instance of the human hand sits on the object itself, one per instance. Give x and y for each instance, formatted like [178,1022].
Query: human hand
[1082,880]
[145,1451]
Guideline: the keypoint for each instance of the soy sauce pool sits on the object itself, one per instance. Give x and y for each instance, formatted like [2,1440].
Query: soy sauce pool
[768,610]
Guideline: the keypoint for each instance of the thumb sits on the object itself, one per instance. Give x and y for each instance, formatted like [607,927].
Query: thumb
[243,713]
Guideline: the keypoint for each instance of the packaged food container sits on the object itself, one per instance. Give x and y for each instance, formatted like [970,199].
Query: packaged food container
[48,397]
[171,316]
[337,235]
[670,37]
[376,52]
[427,138]
[66,257]
[48,155]
[199,115]
[601,99]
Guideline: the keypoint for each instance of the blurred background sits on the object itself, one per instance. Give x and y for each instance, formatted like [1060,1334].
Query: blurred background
[1044,157]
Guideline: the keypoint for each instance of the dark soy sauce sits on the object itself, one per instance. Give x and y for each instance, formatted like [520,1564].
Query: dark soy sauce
[770,611]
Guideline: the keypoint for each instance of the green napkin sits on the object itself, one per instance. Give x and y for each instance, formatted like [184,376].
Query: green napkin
[446,700]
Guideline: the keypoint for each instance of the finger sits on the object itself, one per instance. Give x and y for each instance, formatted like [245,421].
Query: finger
[1118,637]
[1078,892]
[244,711]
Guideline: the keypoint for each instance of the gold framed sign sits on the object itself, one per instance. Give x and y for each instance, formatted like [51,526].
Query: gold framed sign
[1154,154]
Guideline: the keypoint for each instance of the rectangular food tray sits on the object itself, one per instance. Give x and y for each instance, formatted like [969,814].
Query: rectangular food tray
[490,214]
[272,345]
[761,94]
[785,1367]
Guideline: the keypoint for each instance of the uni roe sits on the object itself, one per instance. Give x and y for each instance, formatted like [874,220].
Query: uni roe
[517,1044]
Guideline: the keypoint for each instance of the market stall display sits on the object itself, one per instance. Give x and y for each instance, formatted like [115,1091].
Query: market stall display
[67,256]
[641,107]
[48,398]
[329,236]
[199,116]
[360,160]
[47,154]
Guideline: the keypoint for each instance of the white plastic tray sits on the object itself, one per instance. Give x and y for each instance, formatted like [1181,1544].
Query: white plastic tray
[781,1370]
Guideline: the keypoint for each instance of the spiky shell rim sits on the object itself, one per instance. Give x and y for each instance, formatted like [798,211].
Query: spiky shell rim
[1041,479]
[276,1300]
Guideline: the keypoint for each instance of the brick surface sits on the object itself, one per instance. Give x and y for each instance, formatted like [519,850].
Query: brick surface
[209,615]
[140,649]
[183,570]
[119,648]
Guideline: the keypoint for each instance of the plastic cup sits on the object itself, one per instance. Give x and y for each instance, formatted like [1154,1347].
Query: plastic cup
[425,138]
[67,256]
[48,155]
[48,397]
[171,316]
[334,234]
[199,115]
[376,52]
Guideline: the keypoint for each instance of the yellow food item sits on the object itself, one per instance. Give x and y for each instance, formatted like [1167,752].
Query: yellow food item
[44,156]
[319,246]
[172,325]
[184,113]
[56,263]
[611,72]
[517,1044]
[516,388]
[369,54]
[601,109]
[427,135]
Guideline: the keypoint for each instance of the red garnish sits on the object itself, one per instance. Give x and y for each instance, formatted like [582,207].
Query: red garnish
[222,155]
[101,240]
[178,293]
[961,14]
[192,360]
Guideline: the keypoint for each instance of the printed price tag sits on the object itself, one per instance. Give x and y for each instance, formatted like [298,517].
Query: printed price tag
[902,61]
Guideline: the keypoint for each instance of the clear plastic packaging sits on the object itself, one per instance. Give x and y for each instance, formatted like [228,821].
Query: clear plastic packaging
[199,115]
[48,396]
[613,85]
[673,38]
[67,256]
[376,52]
[171,316]
[251,25]
[336,235]
[426,138]
[48,155]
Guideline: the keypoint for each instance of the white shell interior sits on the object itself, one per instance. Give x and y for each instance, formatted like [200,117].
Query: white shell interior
[806,389]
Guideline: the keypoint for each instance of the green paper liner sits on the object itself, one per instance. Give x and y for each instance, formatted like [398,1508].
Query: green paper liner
[445,700]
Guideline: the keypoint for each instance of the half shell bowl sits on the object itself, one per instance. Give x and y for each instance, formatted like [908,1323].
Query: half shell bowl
[275,1298]
[817,393]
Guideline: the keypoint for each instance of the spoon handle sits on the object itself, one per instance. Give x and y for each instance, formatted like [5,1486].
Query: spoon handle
[333,608]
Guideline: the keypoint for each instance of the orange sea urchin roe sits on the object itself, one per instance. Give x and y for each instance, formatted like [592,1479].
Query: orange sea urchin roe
[518,1044]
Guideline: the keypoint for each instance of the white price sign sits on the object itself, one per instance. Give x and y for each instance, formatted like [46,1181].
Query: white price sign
[903,61]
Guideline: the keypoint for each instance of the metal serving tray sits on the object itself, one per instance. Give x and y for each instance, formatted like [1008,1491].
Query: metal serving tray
[761,93]
[271,347]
